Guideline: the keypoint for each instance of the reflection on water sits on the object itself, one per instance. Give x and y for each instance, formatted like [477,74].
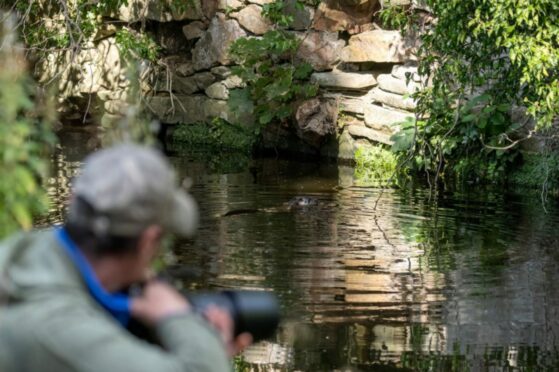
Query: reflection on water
[375,280]
[74,145]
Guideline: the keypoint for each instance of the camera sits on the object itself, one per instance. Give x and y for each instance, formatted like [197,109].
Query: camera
[256,312]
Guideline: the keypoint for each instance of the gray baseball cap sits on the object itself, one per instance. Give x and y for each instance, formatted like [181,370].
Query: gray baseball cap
[132,187]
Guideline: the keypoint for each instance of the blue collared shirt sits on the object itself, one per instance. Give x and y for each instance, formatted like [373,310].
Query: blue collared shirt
[117,304]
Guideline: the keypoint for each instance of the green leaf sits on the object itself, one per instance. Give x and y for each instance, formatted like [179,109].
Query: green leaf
[505,107]
[402,140]
[240,100]
[303,71]
[468,118]
[22,215]
[266,117]
[25,179]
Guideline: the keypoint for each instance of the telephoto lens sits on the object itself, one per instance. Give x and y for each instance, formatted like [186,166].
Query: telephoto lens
[256,312]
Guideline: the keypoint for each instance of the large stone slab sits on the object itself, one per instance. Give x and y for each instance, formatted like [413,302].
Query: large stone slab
[229,4]
[178,64]
[108,95]
[213,47]
[217,91]
[213,108]
[389,83]
[344,15]
[379,46]
[98,69]
[344,80]
[251,19]
[204,79]
[401,72]
[352,105]
[221,72]
[170,81]
[233,81]
[302,17]
[359,131]
[177,109]
[184,69]
[382,118]
[88,71]
[421,5]
[176,84]
[320,49]
[393,100]
[194,30]
[159,10]
[116,107]
[346,146]
[315,119]
[186,109]
[261,2]
[388,3]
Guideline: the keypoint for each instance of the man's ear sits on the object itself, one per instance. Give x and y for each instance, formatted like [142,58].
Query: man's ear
[150,240]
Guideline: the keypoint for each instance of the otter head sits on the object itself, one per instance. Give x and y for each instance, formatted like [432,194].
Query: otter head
[302,201]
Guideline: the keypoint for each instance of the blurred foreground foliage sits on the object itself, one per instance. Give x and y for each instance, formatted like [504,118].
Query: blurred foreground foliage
[25,137]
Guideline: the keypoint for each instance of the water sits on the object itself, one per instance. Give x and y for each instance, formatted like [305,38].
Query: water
[372,279]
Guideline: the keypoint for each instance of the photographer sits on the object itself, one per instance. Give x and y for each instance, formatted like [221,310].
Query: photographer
[61,290]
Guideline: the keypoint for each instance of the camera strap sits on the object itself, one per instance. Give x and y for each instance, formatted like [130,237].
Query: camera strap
[117,304]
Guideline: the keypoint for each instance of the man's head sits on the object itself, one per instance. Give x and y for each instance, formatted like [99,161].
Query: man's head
[124,200]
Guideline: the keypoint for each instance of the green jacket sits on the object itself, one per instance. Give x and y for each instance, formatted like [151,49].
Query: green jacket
[49,322]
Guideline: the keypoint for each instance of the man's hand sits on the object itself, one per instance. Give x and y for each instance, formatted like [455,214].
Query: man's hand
[223,322]
[159,300]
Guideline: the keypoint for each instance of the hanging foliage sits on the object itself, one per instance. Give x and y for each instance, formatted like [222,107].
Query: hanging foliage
[268,66]
[484,60]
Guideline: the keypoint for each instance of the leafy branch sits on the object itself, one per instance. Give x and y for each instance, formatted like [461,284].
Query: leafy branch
[267,65]
[484,59]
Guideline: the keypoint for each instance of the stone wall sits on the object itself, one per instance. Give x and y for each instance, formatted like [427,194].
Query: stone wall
[358,66]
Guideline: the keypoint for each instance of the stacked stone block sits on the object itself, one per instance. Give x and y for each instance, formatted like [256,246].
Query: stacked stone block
[370,72]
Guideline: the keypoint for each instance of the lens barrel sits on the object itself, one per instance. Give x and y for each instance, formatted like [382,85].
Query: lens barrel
[256,312]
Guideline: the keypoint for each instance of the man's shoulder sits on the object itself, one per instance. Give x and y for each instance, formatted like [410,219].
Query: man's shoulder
[21,244]
[22,238]
[58,329]
[54,305]
[34,260]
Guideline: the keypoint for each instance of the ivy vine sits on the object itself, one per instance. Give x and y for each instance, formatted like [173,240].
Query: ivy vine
[274,78]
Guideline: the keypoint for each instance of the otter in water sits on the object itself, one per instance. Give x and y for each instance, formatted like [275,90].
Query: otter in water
[302,201]
[294,203]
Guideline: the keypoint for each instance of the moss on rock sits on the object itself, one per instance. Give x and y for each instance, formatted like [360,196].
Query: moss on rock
[374,165]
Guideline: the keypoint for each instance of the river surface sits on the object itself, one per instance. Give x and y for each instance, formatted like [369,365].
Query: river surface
[370,279]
